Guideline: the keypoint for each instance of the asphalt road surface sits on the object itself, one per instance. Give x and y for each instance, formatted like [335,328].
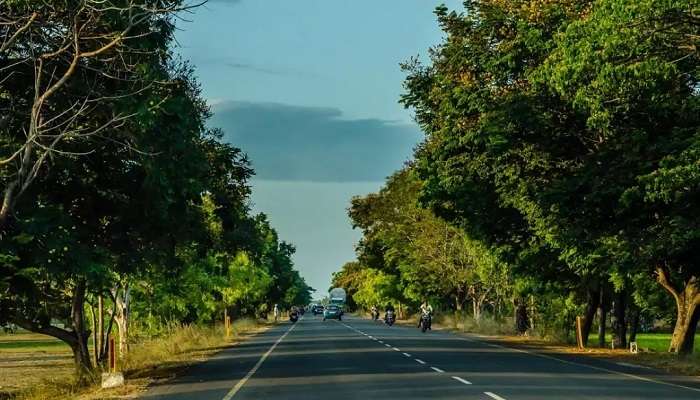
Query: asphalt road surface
[361,359]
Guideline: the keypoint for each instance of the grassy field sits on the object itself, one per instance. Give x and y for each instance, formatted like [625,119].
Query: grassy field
[28,359]
[34,367]
[659,342]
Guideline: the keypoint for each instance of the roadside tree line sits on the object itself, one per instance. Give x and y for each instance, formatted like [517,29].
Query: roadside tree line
[562,153]
[121,208]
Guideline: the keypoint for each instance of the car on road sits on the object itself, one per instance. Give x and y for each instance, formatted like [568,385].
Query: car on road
[316,309]
[333,312]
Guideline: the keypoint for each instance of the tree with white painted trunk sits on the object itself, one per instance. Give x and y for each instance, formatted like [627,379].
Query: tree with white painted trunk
[121,298]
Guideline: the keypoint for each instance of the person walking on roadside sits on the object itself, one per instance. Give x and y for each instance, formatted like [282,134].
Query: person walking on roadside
[276,311]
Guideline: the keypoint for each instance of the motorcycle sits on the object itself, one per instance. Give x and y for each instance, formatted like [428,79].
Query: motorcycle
[294,317]
[390,318]
[425,322]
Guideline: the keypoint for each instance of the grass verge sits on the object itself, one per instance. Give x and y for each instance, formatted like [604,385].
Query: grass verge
[48,372]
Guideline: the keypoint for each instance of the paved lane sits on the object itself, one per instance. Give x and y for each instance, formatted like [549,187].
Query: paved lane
[360,359]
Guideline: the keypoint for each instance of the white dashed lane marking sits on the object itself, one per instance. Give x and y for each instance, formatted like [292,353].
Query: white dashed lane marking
[494,396]
[438,370]
[464,381]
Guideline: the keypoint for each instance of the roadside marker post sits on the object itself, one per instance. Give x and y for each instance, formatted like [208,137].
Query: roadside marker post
[112,378]
[579,332]
[112,356]
[227,323]
[633,348]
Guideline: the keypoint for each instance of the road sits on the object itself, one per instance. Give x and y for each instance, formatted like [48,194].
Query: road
[361,359]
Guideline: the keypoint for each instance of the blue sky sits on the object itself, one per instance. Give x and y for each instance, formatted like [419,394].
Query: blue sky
[309,89]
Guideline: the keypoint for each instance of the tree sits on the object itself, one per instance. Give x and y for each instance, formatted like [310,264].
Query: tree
[69,66]
[419,253]
[638,93]
[547,134]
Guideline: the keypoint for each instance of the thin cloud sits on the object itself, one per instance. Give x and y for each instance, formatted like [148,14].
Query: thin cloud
[269,71]
[294,143]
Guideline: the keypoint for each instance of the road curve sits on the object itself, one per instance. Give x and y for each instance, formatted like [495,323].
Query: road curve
[361,359]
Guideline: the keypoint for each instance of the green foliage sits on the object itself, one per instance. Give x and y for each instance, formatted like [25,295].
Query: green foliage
[407,254]
[137,191]
[563,135]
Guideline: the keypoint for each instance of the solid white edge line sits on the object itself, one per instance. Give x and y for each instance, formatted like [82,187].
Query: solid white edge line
[437,370]
[262,359]
[464,381]
[494,396]
[475,338]
[419,361]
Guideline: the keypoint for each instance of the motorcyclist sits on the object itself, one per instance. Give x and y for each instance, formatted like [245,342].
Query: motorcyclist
[294,313]
[388,308]
[426,309]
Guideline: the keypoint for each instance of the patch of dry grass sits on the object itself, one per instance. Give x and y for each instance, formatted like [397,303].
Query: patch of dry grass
[31,377]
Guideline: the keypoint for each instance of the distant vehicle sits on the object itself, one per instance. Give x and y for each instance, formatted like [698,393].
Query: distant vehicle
[333,312]
[316,309]
[338,297]
[294,315]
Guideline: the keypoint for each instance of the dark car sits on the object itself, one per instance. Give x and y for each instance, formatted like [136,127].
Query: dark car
[333,312]
[317,309]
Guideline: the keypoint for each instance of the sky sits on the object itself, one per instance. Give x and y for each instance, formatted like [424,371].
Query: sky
[309,89]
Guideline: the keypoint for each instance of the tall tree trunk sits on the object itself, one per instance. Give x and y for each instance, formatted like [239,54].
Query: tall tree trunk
[531,312]
[687,311]
[7,202]
[77,338]
[80,346]
[634,325]
[100,334]
[460,298]
[602,317]
[592,303]
[521,318]
[476,309]
[121,298]
[108,333]
[618,323]
[95,347]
